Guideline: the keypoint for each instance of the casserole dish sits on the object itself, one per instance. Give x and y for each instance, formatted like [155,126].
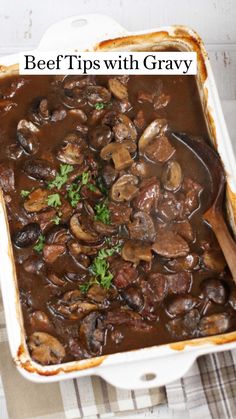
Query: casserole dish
[158,365]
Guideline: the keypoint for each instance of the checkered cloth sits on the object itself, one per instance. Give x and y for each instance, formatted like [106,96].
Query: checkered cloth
[208,390]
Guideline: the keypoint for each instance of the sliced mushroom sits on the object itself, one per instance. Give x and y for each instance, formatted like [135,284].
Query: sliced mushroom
[81,232]
[172,176]
[72,150]
[133,297]
[119,154]
[100,136]
[37,200]
[124,189]
[215,290]
[156,127]
[142,227]
[39,321]
[118,89]
[46,349]
[214,260]
[57,235]
[55,280]
[104,229]
[27,136]
[76,248]
[122,126]
[188,263]
[180,304]
[72,306]
[170,245]
[92,332]
[134,251]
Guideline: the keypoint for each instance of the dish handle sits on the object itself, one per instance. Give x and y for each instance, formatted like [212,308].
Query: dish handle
[148,373]
[80,32]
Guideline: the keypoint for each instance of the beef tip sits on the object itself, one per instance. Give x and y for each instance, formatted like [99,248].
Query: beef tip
[142,227]
[39,169]
[214,324]
[53,251]
[214,260]
[126,317]
[170,244]
[45,218]
[139,120]
[186,326]
[7,177]
[154,290]
[39,321]
[133,297]
[27,235]
[179,283]
[120,213]
[170,208]
[148,196]
[124,273]
[215,290]
[97,293]
[187,263]
[161,101]
[33,264]
[46,349]
[184,229]
[92,332]
[179,305]
[192,192]
[14,151]
[159,149]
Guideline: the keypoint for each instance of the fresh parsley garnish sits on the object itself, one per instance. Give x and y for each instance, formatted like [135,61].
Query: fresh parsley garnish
[92,187]
[56,220]
[99,106]
[61,177]
[100,267]
[40,244]
[24,193]
[54,200]
[85,178]
[73,194]
[102,213]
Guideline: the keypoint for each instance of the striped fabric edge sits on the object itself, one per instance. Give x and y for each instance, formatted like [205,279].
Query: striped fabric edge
[208,390]
[92,397]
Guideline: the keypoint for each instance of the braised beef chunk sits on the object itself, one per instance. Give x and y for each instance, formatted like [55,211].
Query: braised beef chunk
[105,212]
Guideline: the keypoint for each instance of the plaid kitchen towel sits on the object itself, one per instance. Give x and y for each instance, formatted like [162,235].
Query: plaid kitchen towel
[208,390]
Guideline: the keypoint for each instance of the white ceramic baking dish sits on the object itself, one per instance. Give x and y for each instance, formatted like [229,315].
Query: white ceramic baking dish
[158,365]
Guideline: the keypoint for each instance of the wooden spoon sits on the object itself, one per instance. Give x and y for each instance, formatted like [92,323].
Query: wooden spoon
[214,204]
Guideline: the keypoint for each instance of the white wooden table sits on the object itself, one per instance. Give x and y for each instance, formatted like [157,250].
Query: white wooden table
[22,24]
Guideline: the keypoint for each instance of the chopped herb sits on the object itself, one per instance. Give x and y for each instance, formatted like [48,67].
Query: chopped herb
[54,200]
[99,106]
[101,185]
[61,177]
[92,187]
[40,244]
[102,213]
[24,193]
[73,194]
[100,267]
[56,220]
[85,178]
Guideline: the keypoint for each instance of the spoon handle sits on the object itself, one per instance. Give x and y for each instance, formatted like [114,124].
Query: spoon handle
[226,242]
